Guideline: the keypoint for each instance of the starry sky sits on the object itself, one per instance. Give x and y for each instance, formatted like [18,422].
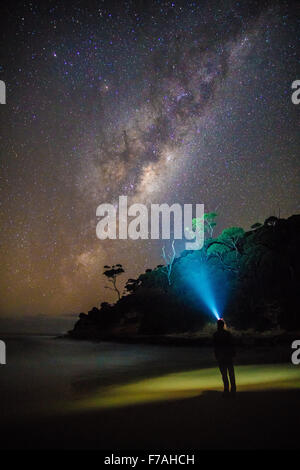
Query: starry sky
[162,101]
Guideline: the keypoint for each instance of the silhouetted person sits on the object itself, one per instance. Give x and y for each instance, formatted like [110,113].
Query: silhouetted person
[225,352]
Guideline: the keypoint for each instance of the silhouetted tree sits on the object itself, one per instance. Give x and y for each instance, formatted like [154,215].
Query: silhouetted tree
[112,272]
[271,221]
[132,285]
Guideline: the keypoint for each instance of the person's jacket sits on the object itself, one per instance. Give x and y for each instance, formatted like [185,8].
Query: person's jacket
[223,345]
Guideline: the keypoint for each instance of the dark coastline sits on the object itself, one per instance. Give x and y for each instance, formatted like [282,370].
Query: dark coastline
[244,340]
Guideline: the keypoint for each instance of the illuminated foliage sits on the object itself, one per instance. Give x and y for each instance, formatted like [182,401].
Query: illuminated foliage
[251,278]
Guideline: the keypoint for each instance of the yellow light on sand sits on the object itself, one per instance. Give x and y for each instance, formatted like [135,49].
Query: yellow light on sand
[191,384]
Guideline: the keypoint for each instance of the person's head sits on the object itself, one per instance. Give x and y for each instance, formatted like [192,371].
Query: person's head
[220,324]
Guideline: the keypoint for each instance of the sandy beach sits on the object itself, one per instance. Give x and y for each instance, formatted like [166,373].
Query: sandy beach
[70,395]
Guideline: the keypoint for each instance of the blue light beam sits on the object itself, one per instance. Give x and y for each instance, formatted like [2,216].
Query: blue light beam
[207,289]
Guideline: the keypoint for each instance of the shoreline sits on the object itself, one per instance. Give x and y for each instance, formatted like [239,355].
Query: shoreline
[246,340]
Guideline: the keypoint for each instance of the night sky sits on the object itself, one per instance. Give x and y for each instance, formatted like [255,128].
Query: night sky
[162,101]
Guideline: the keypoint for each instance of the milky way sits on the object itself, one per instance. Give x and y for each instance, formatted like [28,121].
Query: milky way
[185,102]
